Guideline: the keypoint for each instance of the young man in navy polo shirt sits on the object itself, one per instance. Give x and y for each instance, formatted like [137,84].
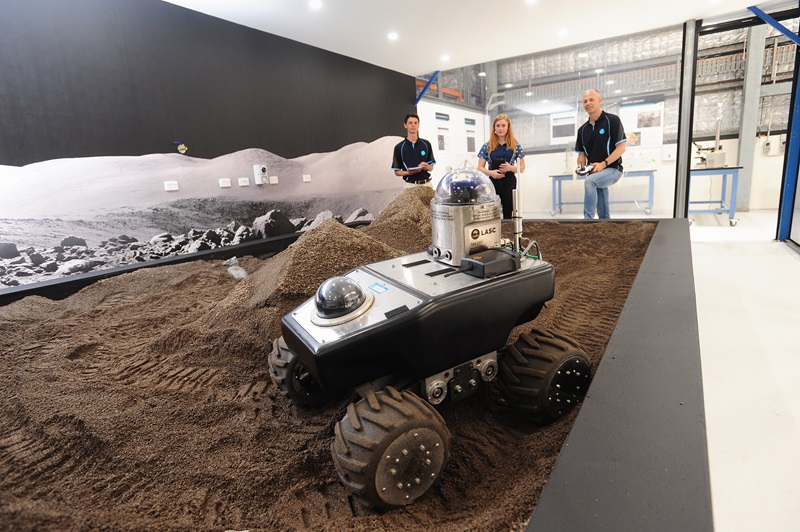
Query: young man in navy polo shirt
[413,157]
[601,143]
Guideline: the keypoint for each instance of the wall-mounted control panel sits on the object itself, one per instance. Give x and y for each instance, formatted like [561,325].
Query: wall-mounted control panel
[260,174]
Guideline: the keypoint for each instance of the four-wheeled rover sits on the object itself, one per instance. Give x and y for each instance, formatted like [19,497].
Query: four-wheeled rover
[410,332]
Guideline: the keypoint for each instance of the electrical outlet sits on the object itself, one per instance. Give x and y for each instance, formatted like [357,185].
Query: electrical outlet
[171,186]
[306,178]
[224,183]
[260,173]
[244,181]
[273,180]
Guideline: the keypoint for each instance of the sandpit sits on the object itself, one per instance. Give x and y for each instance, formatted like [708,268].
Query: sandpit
[144,401]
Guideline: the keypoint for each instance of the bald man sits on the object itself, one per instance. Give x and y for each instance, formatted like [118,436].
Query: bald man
[601,143]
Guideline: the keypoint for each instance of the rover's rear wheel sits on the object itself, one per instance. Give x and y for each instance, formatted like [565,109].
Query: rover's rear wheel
[390,447]
[292,378]
[544,374]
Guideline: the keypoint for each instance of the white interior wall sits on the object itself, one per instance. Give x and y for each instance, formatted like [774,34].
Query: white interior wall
[765,190]
[536,188]
[537,197]
[708,187]
[457,154]
[766,177]
[536,184]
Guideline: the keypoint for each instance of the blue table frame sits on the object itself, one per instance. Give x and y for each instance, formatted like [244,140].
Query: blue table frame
[732,171]
[558,198]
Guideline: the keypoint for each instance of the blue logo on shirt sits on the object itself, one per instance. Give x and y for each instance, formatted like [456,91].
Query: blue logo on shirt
[601,131]
[422,153]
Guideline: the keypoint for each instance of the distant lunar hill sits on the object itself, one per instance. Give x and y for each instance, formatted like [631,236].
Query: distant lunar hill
[92,186]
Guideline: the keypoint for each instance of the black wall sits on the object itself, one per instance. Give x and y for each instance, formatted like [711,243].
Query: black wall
[128,77]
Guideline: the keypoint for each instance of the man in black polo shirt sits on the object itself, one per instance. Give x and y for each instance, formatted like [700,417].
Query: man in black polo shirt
[601,143]
[413,157]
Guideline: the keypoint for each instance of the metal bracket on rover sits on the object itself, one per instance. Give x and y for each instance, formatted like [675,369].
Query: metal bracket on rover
[408,333]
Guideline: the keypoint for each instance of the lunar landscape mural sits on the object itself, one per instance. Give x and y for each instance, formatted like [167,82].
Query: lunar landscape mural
[68,216]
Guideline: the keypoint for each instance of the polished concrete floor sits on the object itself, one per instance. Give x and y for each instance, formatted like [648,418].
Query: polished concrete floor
[748,311]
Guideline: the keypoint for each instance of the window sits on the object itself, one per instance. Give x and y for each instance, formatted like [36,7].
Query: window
[444,139]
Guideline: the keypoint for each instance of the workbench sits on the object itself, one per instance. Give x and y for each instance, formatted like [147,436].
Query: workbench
[558,198]
[733,172]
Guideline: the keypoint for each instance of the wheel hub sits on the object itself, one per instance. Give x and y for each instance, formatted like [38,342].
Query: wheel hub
[409,466]
[568,386]
[304,383]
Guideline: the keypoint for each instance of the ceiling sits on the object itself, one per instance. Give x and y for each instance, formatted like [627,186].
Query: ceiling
[439,35]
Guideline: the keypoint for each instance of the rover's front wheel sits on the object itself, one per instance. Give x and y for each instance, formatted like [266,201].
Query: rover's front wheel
[292,378]
[544,375]
[390,448]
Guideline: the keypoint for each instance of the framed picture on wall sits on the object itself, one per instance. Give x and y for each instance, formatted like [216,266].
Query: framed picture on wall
[563,127]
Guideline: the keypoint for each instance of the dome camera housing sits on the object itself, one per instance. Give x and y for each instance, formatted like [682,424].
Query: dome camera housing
[465,216]
[339,299]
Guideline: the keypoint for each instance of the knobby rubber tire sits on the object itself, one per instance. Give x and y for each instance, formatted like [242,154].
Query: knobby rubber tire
[292,377]
[544,375]
[390,448]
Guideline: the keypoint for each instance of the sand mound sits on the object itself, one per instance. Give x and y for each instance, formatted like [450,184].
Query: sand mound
[405,224]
